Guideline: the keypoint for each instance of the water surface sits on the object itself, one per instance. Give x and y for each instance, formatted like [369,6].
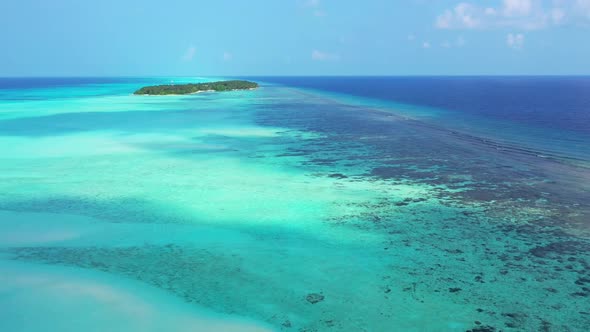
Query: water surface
[400,209]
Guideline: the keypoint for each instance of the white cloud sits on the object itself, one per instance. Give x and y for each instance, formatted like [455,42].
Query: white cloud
[517,7]
[425,44]
[312,3]
[464,15]
[557,15]
[315,6]
[490,11]
[515,41]
[445,20]
[583,8]
[411,37]
[227,56]
[519,14]
[323,56]
[189,54]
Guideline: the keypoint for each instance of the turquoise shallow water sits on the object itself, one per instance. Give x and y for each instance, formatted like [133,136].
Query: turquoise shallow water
[234,211]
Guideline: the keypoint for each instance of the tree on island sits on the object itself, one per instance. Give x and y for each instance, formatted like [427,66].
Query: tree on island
[183,89]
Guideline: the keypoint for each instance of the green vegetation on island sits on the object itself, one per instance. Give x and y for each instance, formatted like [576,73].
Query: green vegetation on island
[184,89]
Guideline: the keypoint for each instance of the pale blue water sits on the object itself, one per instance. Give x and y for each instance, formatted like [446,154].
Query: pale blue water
[422,204]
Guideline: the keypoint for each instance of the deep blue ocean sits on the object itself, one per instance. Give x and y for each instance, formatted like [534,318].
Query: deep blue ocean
[548,115]
[547,102]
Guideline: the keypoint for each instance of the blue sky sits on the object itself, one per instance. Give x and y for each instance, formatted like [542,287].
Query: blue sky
[294,37]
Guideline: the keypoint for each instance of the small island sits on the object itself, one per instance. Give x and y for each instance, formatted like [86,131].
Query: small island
[185,89]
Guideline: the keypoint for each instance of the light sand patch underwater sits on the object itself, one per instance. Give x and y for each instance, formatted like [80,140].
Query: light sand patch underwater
[42,298]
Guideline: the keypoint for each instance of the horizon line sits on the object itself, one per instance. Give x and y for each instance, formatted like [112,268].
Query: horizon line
[311,75]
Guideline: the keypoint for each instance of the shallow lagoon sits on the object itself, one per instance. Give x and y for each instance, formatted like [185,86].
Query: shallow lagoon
[244,203]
